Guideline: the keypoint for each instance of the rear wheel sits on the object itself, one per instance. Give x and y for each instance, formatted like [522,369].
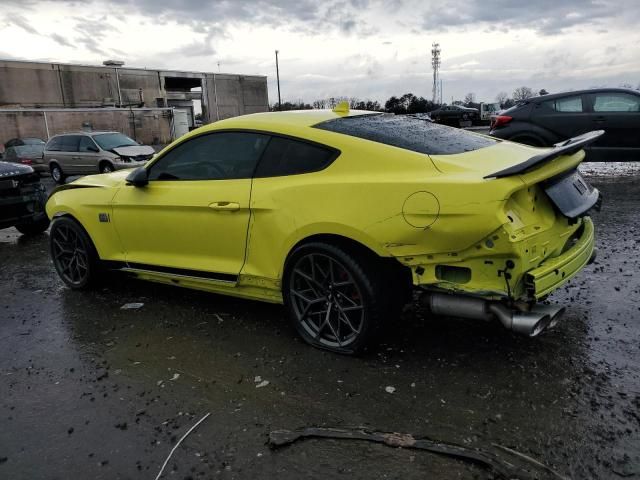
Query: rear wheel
[56,173]
[73,253]
[335,299]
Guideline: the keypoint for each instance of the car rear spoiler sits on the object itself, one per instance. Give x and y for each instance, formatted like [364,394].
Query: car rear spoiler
[566,147]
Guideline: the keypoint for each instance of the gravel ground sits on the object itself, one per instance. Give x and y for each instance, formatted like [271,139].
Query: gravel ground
[93,391]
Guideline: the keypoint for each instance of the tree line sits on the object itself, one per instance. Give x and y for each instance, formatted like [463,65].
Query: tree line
[410,103]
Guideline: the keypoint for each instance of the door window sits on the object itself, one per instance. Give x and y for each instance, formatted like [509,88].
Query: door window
[616,102]
[87,145]
[566,105]
[70,143]
[55,144]
[216,156]
[285,156]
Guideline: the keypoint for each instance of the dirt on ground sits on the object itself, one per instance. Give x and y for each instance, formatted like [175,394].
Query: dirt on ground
[91,390]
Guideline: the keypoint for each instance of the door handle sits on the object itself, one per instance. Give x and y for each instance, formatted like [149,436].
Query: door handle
[75,158]
[226,206]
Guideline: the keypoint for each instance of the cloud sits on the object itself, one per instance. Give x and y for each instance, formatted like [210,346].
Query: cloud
[60,39]
[21,22]
[544,16]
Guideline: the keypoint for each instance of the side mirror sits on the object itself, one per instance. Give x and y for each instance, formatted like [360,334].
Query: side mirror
[138,178]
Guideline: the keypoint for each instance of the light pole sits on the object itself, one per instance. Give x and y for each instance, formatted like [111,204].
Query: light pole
[278,79]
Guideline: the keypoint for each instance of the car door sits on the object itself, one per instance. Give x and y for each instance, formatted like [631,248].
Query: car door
[88,155]
[69,158]
[618,114]
[193,215]
[565,117]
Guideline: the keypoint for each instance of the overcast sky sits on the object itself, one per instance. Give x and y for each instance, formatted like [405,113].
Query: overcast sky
[357,48]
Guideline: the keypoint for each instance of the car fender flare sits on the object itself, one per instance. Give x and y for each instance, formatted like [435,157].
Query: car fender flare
[309,232]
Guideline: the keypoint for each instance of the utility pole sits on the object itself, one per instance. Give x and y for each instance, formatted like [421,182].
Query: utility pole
[278,79]
[435,63]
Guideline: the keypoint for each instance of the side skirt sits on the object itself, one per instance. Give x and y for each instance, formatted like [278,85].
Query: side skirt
[242,286]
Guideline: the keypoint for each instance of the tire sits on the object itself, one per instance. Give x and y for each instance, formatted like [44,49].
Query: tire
[34,228]
[57,174]
[73,253]
[335,300]
[106,167]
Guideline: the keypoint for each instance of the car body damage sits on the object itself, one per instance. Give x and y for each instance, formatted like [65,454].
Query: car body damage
[437,212]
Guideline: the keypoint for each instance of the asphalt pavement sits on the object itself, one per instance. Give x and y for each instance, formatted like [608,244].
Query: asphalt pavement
[91,390]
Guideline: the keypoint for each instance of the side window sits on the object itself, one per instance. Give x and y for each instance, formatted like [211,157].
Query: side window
[566,105]
[87,145]
[285,156]
[54,144]
[215,156]
[616,102]
[69,143]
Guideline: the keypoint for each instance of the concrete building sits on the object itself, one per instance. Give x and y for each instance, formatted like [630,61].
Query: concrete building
[35,85]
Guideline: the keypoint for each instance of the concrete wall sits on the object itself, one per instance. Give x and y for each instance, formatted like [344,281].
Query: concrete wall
[152,126]
[233,95]
[51,85]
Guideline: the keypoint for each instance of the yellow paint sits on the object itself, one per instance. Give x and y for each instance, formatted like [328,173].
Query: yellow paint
[423,210]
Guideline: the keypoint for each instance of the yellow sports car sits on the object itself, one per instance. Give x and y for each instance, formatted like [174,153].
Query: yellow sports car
[340,215]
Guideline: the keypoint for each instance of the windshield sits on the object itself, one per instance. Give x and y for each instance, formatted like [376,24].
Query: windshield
[409,132]
[108,141]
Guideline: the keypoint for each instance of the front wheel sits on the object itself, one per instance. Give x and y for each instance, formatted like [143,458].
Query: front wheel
[73,254]
[106,167]
[335,299]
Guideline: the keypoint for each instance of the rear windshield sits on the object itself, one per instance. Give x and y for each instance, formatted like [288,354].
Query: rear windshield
[409,132]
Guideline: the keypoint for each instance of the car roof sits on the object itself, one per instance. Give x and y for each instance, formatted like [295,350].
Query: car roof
[552,96]
[291,118]
[85,133]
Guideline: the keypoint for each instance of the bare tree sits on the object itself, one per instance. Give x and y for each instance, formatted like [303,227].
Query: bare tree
[626,85]
[543,92]
[522,93]
[469,98]
[502,98]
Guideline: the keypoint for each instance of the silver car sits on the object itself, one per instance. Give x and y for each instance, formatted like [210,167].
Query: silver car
[85,153]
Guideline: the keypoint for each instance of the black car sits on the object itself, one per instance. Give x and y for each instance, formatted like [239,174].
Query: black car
[22,199]
[550,119]
[454,115]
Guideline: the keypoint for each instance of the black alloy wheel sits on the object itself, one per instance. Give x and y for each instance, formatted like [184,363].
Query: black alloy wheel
[73,253]
[334,298]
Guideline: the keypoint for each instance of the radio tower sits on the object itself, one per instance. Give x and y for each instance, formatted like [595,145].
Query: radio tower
[435,63]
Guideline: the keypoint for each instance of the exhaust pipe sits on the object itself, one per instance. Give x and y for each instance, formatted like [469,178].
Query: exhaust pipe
[529,323]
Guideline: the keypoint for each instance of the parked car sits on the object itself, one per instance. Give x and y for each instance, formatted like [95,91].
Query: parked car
[550,119]
[340,215]
[84,153]
[454,115]
[29,154]
[22,199]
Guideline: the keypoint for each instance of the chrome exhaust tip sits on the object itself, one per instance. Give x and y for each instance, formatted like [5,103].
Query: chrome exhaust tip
[530,324]
[554,311]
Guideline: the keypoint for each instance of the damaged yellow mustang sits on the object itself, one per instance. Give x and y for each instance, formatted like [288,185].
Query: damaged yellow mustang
[340,215]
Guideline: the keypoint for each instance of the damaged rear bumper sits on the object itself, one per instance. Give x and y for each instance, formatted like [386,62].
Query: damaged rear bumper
[554,272]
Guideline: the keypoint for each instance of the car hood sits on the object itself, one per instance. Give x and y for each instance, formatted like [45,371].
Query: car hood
[134,150]
[8,169]
[103,180]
